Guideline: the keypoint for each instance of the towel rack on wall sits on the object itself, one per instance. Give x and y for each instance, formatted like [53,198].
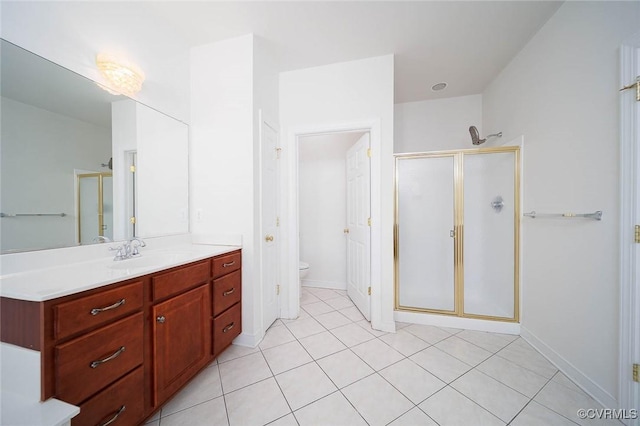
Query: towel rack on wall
[595,215]
[32,214]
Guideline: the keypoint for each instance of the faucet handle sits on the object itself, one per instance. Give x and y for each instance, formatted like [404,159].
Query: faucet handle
[120,252]
[134,247]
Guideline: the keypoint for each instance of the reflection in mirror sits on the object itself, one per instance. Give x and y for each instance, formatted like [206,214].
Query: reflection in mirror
[66,152]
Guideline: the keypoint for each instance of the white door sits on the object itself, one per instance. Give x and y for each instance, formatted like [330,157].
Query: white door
[358,226]
[630,288]
[269,154]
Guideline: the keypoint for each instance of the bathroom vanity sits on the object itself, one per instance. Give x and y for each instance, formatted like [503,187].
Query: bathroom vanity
[124,343]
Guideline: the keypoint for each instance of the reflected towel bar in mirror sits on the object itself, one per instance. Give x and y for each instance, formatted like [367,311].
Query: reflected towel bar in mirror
[32,214]
[595,215]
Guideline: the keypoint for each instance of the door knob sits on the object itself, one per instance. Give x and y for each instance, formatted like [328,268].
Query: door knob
[346,230]
[268,238]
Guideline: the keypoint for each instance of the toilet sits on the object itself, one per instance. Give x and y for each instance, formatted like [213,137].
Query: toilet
[304,269]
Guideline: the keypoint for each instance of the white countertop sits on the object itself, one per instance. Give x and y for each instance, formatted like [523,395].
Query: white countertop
[18,410]
[57,281]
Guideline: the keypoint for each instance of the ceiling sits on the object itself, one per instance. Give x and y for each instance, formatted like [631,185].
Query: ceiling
[465,44]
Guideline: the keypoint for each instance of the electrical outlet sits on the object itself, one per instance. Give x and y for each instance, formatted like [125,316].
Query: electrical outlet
[198,215]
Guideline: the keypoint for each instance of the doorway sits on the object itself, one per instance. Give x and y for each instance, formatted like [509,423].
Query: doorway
[95,207]
[334,212]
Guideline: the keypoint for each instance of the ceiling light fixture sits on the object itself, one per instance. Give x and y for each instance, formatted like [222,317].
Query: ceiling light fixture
[122,77]
[439,86]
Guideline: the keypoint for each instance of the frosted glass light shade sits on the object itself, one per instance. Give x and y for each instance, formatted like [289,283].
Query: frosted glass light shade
[122,77]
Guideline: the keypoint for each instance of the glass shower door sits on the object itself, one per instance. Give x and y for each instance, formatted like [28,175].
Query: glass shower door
[491,214]
[425,203]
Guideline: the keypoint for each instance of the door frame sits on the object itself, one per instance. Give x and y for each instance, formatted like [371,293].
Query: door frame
[290,307]
[629,217]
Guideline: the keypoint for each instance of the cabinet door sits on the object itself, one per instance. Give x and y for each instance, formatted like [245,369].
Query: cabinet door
[182,340]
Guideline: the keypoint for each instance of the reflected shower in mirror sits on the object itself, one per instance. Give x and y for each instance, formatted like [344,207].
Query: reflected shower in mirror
[67,147]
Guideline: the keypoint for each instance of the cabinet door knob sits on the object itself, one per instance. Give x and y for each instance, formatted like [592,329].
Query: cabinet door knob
[161,319]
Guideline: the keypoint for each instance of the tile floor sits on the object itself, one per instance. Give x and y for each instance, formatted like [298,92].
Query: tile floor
[328,367]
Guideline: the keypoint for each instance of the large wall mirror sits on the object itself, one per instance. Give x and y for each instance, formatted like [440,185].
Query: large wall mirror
[79,165]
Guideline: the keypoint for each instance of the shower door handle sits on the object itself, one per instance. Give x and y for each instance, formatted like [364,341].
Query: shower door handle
[452,233]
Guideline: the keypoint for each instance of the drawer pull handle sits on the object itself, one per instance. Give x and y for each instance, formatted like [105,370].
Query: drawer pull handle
[115,417]
[116,354]
[96,311]
[226,265]
[228,292]
[229,327]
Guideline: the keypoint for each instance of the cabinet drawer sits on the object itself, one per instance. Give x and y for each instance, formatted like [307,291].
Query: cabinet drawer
[87,364]
[122,403]
[174,282]
[226,292]
[226,327]
[228,263]
[86,312]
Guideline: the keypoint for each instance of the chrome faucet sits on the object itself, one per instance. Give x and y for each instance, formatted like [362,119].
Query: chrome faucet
[128,249]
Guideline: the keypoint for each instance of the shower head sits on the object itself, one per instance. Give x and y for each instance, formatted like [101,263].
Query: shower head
[475,136]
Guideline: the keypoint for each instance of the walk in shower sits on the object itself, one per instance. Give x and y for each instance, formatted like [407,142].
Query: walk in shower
[457,233]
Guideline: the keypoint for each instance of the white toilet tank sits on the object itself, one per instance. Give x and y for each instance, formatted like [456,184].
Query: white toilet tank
[304,269]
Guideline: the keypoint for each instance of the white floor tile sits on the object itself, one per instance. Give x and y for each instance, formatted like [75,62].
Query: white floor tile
[210,413]
[324,293]
[285,357]
[428,333]
[344,368]
[352,334]
[377,354]
[519,378]
[524,355]
[535,414]
[415,417]
[404,342]
[566,402]
[442,365]
[235,351]
[499,399]
[463,350]
[257,404]
[288,420]
[243,371]
[304,385]
[563,380]
[401,325]
[276,336]
[352,313]
[332,410]
[318,308]
[376,400]
[302,315]
[491,342]
[305,327]
[412,380]
[153,422]
[308,298]
[154,418]
[450,408]
[332,319]
[204,387]
[339,302]
[367,326]
[322,344]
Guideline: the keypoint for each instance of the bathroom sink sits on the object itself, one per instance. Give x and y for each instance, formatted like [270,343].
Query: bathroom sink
[151,260]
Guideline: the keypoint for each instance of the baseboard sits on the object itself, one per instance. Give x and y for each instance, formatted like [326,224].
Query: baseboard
[569,370]
[333,285]
[389,326]
[248,340]
[457,322]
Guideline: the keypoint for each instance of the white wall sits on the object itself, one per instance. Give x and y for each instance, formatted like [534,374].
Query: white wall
[561,93]
[123,141]
[323,207]
[335,97]
[439,124]
[230,81]
[35,155]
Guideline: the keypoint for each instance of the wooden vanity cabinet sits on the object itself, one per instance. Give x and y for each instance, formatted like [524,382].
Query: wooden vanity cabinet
[121,351]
